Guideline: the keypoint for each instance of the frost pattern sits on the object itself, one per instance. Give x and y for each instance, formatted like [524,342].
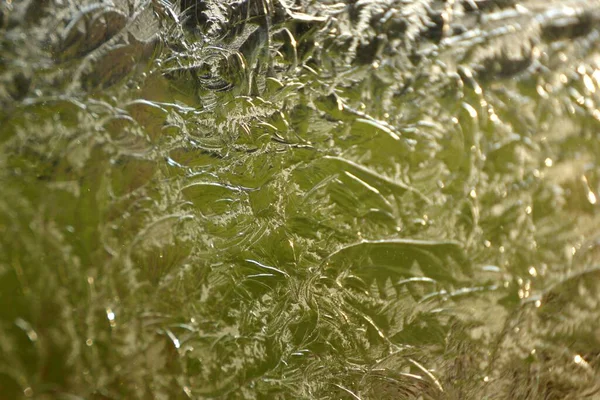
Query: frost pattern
[267,199]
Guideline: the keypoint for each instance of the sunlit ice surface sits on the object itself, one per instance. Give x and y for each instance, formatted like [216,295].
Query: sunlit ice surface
[267,199]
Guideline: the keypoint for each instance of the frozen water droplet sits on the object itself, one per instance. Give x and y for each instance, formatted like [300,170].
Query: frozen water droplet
[27,328]
[591,197]
[589,84]
[541,91]
[111,317]
[563,78]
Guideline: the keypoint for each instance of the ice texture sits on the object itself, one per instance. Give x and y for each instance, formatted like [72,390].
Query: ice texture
[276,199]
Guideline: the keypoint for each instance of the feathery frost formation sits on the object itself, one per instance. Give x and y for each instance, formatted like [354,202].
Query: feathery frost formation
[276,199]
